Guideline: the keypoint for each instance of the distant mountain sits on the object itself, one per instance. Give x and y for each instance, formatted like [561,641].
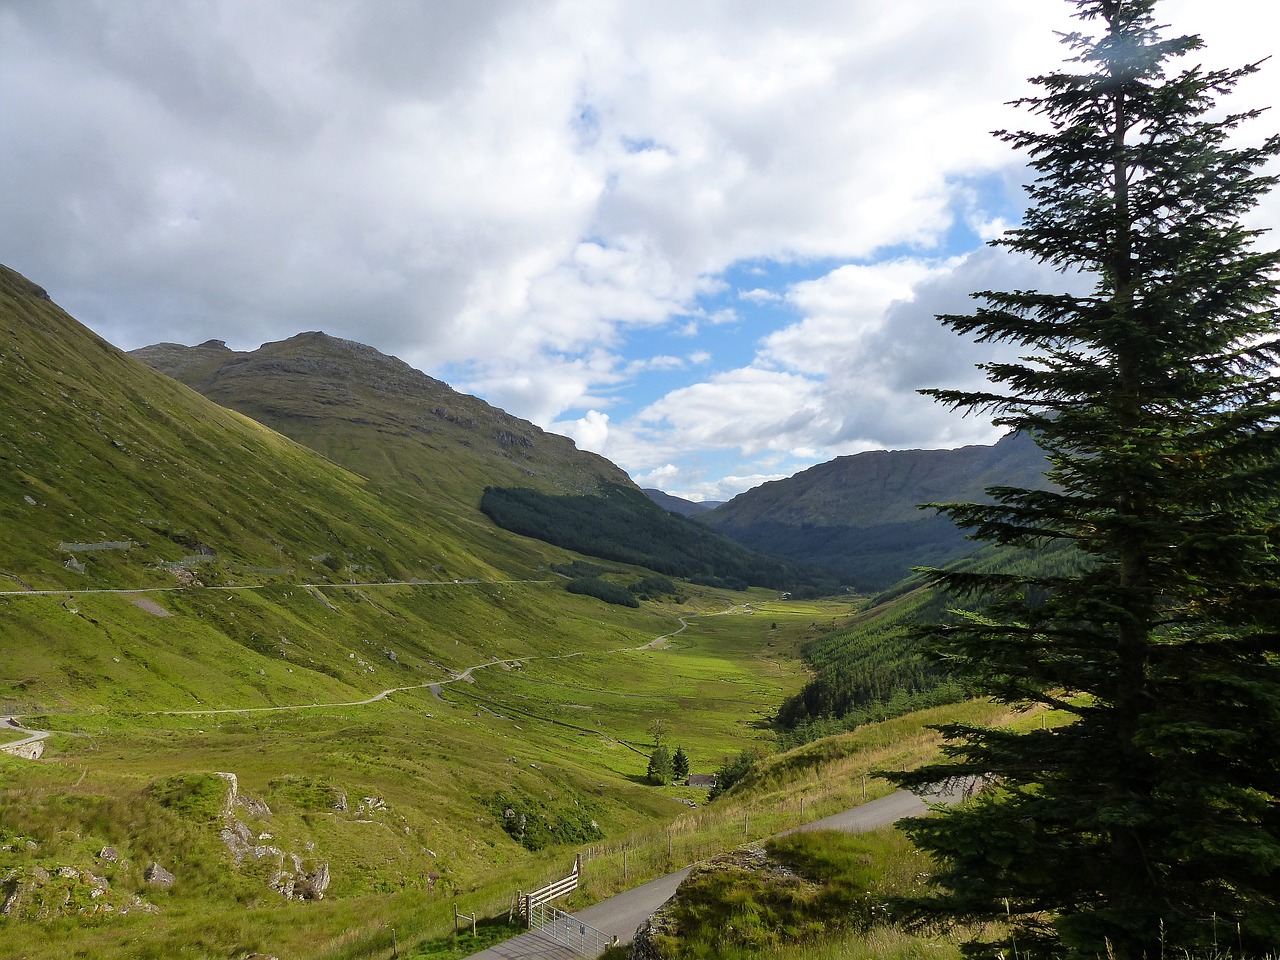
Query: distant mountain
[686,508]
[417,436]
[622,524]
[858,517]
[381,418]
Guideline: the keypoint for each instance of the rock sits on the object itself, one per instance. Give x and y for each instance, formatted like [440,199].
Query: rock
[233,791]
[109,854]
[157,876]
[237,844]
[341,803]
[253,806]
[313,885]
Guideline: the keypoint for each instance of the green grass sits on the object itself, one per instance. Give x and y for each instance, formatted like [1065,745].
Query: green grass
[794,890]
[130,778]
[96,448]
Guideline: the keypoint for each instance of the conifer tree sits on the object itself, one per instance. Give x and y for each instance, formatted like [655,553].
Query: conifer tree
[680,765]
[1151,821]
[659,770]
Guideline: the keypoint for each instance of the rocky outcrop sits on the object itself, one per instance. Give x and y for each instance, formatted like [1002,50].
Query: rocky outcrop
[295,877]
[38,894]
[158,876]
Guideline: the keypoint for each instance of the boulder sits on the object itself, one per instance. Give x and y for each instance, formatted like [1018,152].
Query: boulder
[157,876]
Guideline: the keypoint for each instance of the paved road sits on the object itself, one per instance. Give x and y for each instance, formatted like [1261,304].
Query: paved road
[23,748]
[620,916]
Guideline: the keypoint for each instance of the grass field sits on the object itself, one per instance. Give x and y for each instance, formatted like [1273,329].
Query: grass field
[558,722]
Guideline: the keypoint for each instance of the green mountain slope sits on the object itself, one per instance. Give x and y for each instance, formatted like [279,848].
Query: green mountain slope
[410,433]
[385,672]
[109,465]
[381,418]
[858,517]
[623,524]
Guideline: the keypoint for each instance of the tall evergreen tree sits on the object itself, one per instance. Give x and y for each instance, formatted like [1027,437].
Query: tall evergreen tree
[680,765]
[1151,821]
[659,770]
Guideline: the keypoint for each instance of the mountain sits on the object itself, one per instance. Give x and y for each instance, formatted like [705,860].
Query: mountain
[415,435]
[686,508]
[858,517]
[394,686]
[381,418]
[622,524]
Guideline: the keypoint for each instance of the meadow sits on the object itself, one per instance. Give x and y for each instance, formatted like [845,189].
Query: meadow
[403,797]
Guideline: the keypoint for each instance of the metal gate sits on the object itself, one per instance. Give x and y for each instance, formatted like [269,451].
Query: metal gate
[566,929]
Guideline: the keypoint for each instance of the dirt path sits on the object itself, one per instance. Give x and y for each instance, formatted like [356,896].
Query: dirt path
[434,685]
[657,643]
[265,586]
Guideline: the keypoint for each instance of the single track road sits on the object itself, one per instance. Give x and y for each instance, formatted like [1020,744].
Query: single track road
[620,916]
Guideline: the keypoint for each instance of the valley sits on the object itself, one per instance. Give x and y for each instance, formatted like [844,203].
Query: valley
[298,690]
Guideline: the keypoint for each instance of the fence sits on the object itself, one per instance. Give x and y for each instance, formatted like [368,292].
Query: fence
[561,927]
[552,890]
[564,928]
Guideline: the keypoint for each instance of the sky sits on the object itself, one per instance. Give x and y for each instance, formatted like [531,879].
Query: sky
[706,239]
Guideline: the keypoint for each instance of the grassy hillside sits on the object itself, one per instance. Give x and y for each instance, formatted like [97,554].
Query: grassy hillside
[859,517]
[381,418]
[260,601]
[416,436]
[877,666]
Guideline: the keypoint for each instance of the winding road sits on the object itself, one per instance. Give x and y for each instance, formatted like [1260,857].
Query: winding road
[30,747]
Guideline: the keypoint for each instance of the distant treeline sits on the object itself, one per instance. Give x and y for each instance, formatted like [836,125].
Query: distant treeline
[625,526]
[867,558]
[878,668]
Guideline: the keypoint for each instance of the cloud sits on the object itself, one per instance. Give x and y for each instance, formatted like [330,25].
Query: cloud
[520,196]
[589,433]
[845,377]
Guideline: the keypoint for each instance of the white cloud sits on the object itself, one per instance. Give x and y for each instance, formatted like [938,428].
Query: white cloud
[589,433]
[760,295]
[511,193]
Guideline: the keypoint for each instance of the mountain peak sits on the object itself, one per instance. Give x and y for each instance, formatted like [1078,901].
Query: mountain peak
[378,416]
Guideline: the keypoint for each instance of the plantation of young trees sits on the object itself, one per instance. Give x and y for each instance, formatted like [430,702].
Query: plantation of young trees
[1148,824]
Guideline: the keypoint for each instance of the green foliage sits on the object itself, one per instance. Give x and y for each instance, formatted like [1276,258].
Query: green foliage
[653,587]
[489,932]
[536,822]
[798,890]
[603,590]
[304,794]
[661,768]
[196,797]
[679,765]
[733,770]
[1155,398]
[879,666]
[624,525]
